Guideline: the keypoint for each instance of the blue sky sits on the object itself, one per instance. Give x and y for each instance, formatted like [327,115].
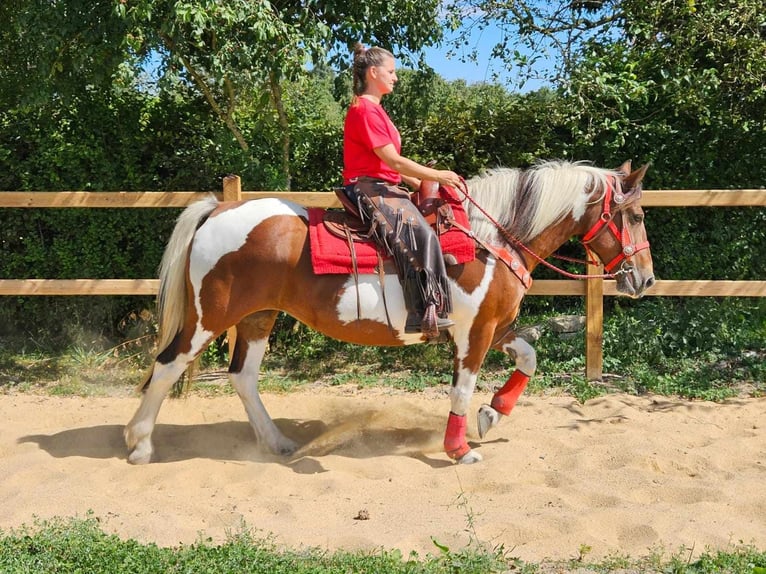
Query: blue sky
[484,69]
[453,69]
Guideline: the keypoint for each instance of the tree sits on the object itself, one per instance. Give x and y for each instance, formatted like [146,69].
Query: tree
[242,50]
[487,126]
[639,75]
[229,51]
[683,85]
[57,49]
[536,40]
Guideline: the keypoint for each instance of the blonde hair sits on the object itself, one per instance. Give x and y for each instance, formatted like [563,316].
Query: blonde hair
[363,59]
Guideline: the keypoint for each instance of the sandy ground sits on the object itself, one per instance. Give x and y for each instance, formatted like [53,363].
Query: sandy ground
[621,474]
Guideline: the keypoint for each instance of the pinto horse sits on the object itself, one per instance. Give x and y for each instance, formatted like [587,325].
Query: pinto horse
[241,263]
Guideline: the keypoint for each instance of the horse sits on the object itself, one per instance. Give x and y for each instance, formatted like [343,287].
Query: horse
[241,263]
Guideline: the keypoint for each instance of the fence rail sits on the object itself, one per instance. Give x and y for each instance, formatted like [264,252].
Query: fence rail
[594,290]
[112,199]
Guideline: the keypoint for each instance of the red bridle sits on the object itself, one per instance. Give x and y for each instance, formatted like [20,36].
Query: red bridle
[606,221]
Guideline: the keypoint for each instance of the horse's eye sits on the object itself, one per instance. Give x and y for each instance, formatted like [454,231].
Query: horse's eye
[636,218]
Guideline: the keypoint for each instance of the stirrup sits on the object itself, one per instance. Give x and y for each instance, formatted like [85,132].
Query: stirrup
[429,324]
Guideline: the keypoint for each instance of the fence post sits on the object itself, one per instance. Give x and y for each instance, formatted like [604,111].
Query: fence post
[594,326]
[232,191]
[232,188]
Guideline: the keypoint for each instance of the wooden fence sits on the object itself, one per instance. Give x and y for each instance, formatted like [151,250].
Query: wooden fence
[593,290]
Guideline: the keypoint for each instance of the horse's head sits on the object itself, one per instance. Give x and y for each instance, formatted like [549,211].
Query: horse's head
[617,235]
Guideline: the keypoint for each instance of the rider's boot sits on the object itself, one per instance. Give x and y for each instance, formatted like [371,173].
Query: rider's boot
[429,323]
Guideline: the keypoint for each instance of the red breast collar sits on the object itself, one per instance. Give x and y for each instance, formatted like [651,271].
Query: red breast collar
[514,263]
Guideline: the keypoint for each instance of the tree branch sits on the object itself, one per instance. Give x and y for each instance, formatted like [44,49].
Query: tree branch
[226,116]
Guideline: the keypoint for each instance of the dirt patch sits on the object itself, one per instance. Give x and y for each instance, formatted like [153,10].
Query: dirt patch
[619,474]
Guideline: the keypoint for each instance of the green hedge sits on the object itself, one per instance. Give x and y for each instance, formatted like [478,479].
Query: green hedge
[134,140]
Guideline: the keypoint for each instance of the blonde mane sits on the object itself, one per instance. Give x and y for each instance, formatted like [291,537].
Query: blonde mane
[527,202]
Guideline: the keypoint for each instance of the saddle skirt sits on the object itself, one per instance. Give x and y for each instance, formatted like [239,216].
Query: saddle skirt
[333,234]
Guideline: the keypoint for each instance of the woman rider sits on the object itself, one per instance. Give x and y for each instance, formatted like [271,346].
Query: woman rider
[373,170]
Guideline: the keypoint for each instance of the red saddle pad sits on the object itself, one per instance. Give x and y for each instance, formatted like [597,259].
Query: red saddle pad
[331,254]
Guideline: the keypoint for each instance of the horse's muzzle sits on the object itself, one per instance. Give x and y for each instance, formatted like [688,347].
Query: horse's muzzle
[632,283]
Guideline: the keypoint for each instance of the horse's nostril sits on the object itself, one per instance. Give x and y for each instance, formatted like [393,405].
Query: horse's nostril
[649,282]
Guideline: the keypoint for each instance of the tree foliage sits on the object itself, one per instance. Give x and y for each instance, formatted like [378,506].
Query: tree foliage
[534,40]
[683,86]
[234,54]
[471,127]
[245,50]
[679,84]
[55,50]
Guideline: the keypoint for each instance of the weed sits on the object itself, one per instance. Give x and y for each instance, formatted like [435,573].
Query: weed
[709,350]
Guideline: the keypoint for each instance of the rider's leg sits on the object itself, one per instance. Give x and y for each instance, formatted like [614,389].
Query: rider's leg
[404,232]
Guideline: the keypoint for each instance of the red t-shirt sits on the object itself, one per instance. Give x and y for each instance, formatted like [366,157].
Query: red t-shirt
[367,127]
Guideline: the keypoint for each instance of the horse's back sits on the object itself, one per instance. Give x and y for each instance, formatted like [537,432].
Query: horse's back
[248,228]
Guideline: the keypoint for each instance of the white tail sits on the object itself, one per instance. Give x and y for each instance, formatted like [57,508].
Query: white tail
[171,299]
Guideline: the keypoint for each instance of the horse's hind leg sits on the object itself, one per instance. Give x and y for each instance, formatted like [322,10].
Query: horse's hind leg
[167,369]
[252,340]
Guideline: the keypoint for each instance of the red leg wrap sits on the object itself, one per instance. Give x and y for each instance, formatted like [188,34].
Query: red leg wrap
[505,399]
[455,444]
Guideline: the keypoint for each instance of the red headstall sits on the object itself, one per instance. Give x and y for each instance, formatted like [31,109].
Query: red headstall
[606,221]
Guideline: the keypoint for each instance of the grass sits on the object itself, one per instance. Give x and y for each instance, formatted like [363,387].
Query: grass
[709,350]
[80,545]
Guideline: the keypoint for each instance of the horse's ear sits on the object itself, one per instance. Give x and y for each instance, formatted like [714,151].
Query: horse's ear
[625,168]
[632,182]
[631,186]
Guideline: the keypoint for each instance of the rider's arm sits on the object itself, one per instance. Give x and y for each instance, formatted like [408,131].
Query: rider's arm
[412,169]
[412,182]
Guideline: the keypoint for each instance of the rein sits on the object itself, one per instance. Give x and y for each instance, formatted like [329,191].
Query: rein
[605,221]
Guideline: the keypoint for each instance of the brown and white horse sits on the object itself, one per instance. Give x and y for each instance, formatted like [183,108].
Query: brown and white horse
[240,263]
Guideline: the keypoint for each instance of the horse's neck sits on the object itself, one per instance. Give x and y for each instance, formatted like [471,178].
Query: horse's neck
[548,242]
[534,206]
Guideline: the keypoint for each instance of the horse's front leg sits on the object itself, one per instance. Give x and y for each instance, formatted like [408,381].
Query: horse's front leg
[455,443]
[505,398]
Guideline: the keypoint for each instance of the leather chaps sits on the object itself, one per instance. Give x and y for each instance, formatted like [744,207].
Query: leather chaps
[398,226]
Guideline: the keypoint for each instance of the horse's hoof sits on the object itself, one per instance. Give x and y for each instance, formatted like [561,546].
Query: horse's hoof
[286,448]
[486,419]
[285,451]
[140,450]
[470,457]
[140,457]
